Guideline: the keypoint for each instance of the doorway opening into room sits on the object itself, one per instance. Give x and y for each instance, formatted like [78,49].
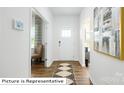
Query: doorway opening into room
[87,35]
[38,42]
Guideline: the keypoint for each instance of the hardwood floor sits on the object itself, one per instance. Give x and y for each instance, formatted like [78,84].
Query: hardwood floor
[80,73]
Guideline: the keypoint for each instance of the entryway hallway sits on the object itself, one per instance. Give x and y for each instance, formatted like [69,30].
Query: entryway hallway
[67,33]
[81,74]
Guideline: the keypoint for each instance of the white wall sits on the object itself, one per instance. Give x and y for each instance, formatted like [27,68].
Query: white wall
[47,16]
[15,58]
[14,45]
[82,35]
[85,22]
[65,21]
[103,69]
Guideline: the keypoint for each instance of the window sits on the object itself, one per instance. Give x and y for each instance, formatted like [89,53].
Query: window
[66,33]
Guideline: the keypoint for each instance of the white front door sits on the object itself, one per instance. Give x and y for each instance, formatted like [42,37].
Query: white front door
[66,47]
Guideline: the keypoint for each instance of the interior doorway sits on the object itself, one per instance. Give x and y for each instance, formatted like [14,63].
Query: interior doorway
[38,39]
[87,39]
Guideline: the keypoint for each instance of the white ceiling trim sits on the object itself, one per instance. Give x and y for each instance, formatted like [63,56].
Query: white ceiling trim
[66,10]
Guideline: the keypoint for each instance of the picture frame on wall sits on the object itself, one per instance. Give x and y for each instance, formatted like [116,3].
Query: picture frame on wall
[108,31]
[18,24]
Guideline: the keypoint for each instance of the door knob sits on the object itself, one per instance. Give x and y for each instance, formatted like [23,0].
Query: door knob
[59,43]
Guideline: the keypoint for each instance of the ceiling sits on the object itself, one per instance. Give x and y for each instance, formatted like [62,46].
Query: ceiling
[66,10]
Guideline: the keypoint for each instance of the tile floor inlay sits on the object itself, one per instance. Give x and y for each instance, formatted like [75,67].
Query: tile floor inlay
[69,81]
[64,64]
[63,73]
[64,68]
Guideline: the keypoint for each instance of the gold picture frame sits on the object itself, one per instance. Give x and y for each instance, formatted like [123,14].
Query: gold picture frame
[122,33]
[107,38]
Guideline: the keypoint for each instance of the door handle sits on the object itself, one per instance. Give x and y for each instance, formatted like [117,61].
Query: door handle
[59,43]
